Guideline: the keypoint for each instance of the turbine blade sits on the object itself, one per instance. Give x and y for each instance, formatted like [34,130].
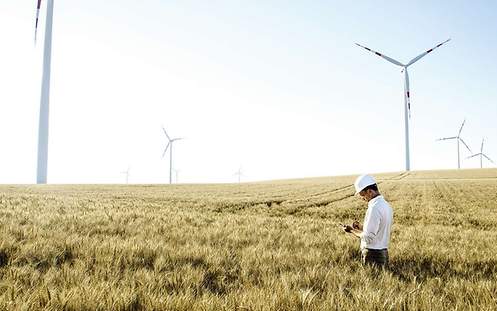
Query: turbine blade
[472,156]
[446,138]
[166,133]
[462,125]
[488,158]
[465,144]
[482,141]
[37,16]
[393,61]
[165,150]
[415,59]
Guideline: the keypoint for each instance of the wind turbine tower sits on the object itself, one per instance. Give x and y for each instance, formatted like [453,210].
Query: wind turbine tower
[170,147]
[41,172]
[481,154]
[407,95]
[459,139]
[239,173]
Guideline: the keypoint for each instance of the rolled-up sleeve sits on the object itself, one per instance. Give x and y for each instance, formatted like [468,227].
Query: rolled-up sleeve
[371,226]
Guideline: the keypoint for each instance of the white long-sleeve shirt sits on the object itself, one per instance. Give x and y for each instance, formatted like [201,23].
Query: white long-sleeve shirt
[377,224]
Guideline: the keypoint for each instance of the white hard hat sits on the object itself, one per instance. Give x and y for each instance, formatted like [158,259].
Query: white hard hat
[362,182]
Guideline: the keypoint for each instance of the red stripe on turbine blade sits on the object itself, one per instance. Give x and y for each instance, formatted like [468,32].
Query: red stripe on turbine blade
[439,45]
[408,96]
[39,4]
[378,54]
[429,50]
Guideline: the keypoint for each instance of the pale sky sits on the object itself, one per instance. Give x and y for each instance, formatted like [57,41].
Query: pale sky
[278,87]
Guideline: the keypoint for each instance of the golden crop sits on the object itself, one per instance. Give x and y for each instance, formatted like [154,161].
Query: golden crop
[254,246]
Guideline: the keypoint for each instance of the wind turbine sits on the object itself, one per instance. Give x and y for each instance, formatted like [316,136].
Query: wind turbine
[170,143]
[407,95]
[41,172]
[481,154]
[239,173]
[459,139]
[126,172]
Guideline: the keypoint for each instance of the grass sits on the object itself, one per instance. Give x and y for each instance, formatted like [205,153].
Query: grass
[257,246]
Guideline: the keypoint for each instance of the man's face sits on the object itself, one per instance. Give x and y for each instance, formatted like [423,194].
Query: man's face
[365,195]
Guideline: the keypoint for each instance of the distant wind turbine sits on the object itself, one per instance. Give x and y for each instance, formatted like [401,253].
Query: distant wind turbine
[170,146]
[481,154]
[407,95]
[41,171]
[126,172]
[459,139]
[239,173]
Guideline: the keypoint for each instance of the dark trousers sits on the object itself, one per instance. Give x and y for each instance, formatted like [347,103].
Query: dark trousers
[375,257]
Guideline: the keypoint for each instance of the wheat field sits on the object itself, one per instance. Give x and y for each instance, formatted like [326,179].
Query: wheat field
[251,246]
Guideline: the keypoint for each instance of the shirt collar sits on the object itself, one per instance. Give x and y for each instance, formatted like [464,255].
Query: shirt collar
[374,200]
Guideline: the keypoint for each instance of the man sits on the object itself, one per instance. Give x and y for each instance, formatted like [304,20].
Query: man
[375,233]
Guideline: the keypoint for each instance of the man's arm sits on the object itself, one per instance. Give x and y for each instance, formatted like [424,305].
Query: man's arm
[355,231]
[368,233]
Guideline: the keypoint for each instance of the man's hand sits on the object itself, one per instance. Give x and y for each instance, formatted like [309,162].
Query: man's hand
[355,229]
[357,225]
[347,228]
